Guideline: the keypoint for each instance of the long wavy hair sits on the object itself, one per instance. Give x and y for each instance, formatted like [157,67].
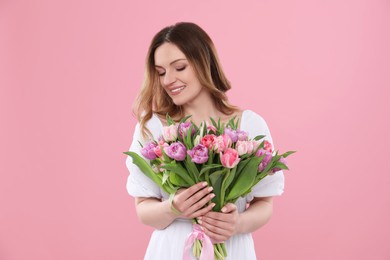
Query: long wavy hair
[200,52]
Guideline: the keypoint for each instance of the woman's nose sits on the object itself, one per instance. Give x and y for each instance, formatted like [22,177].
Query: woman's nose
[169,78]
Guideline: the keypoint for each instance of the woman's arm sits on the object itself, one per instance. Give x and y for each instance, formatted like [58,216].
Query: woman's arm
[221,226]
[190,202]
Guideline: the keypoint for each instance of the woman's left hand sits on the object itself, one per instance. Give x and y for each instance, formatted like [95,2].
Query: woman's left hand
[220,226]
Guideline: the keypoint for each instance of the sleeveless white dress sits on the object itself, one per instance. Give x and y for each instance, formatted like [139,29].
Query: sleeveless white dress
[168,243]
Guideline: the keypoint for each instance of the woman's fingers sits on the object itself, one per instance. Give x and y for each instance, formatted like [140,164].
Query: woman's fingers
[192,199]
[220,226]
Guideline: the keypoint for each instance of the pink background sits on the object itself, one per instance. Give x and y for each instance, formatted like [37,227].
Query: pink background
[317,71]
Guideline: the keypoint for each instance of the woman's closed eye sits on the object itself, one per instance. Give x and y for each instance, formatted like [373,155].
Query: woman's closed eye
[181,68]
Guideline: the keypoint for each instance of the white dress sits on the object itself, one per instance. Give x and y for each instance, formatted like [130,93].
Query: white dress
[168,243]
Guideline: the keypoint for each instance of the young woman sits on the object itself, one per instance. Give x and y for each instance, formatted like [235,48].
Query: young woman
[184,77]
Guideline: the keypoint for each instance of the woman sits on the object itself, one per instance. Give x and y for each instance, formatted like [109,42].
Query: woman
[184,77]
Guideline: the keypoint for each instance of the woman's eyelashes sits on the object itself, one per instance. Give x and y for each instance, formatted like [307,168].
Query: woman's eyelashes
[162,73]
[181,68]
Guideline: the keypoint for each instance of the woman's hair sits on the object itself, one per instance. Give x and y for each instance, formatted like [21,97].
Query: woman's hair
[200,52]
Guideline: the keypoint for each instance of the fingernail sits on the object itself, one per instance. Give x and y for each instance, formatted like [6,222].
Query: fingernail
[204,184]
[212,195]
[199,221]
[210,189]
[212,205]
[223,209]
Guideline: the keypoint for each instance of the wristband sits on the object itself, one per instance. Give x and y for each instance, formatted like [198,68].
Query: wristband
[173,209]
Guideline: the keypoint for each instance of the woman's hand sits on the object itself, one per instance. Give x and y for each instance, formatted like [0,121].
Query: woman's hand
[220,226]
[192,202]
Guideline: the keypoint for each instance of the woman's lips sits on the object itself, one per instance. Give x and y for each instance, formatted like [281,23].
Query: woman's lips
[176,90]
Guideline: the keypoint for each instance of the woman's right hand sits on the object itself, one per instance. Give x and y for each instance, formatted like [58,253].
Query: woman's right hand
[192,202]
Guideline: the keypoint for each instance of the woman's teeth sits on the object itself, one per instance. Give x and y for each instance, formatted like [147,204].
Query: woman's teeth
[177,89]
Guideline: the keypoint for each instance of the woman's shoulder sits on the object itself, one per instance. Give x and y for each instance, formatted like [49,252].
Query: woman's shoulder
[252,122]
[251,116]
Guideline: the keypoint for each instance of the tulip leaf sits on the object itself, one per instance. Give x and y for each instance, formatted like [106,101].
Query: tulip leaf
[176,180]
[281,166]
[257,138]
[145,167]
[216,182]
[191,167]
[227,180]
[185,119]
[169,120]
[288,153]
[179,170]
[208,167]
[245,180]
[213,122]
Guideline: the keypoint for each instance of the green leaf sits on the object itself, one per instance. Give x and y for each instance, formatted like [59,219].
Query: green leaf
[165,177]
[288,153]
[188,141]
[208,167]
[213,122]
[245,180]
[179,170]
[259,137]
[185,119]
[227,180]
[146,169]
[176,180]
[170,121]
[281,166]
[191,168]
[216,182]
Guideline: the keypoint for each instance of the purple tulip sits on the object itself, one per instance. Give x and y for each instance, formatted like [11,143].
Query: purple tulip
[282,160]
[242,135]
[148,150]
[267,158]
[184,128]
[199,154]
[232,134]
[176,151]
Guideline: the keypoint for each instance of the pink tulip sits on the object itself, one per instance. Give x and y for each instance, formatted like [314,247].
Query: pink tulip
[211,128]
[244,147]
[170,133]
[267,146]
[208,140]
[158,149]
[221,143]
[255,144]
[229,158]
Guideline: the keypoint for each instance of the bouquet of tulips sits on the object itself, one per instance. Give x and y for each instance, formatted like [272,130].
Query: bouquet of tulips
[220,154]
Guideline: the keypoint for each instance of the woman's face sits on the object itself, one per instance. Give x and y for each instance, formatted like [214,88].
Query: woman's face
[176,74]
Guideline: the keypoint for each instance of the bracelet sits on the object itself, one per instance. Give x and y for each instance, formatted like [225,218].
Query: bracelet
[173,209]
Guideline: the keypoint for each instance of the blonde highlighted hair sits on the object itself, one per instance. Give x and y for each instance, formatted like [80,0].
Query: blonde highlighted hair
[200,52]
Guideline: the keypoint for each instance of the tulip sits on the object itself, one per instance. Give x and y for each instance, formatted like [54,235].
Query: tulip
[229,158]
[282,160]
[268,146]
[148,150]
[208,140]
[176,151]
[199,154]
[242,135]
[221,143]
[267,158]
[170,133]
[184,128]
[244,147]
[232,133]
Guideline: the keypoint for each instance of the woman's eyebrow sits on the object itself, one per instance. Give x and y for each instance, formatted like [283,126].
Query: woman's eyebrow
[171,62]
